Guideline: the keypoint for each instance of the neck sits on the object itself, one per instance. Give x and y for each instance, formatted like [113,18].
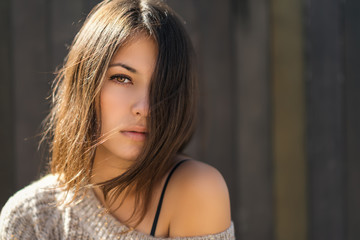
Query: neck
[106,166]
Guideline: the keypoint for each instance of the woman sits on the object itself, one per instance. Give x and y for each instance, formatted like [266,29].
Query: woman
[123,110]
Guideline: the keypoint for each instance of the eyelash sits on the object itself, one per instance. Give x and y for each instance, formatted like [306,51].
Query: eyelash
[120,79]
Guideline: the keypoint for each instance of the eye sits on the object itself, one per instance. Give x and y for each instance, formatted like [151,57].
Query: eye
[121,78]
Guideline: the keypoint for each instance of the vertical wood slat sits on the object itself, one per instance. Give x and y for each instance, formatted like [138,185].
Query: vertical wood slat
[352,72]
[254,169]
[31,58]
[66,19]
[288,120]
[87,6]
[325,124]
[7,166]
[41,30]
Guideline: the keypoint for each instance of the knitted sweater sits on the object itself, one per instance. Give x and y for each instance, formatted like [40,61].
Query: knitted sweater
[33,213]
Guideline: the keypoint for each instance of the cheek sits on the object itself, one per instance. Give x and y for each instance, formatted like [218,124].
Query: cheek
[114,108]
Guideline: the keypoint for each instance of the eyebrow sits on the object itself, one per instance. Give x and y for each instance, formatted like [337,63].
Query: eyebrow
[124,66]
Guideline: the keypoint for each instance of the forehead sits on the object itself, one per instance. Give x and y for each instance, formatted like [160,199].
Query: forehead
[140,53]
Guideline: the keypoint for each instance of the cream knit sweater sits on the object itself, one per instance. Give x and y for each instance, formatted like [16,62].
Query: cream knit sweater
[32,213]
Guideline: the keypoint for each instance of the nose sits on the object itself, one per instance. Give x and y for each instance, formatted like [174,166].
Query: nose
[141,107]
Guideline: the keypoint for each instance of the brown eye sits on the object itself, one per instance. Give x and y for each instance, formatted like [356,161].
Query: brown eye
[120,78]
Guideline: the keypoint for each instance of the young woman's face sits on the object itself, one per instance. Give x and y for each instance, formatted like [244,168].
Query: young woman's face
[124,98]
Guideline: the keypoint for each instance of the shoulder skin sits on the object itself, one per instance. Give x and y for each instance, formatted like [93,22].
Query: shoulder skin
[200,201]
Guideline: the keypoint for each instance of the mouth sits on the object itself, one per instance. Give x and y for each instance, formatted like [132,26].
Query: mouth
[135,135]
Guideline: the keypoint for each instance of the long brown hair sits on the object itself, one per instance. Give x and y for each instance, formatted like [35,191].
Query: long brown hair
[73,126]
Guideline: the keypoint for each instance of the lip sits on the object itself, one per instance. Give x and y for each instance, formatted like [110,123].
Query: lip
[135,133]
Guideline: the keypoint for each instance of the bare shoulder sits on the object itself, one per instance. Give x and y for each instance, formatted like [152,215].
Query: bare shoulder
[200,177]
[201,197]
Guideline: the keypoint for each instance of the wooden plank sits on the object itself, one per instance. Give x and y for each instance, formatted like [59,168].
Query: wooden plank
[31,67]
[42,29]
[7,166]
[64,22]
[288,120]
[66,16]
[325,130]
[253,130]
[88,5]
[352,63]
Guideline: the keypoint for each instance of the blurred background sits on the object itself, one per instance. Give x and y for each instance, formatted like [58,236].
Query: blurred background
[279,105]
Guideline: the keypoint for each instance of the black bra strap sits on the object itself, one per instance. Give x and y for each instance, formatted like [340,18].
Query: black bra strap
[153,229]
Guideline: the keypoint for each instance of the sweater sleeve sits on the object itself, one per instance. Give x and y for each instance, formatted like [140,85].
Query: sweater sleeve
[228,234]
[15,221]
[30,213]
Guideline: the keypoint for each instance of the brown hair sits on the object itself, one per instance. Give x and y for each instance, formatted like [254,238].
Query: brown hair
[73,126]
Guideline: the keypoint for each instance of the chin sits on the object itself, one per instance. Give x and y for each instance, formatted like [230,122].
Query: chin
[127,156]
[123,153]
[126,153]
